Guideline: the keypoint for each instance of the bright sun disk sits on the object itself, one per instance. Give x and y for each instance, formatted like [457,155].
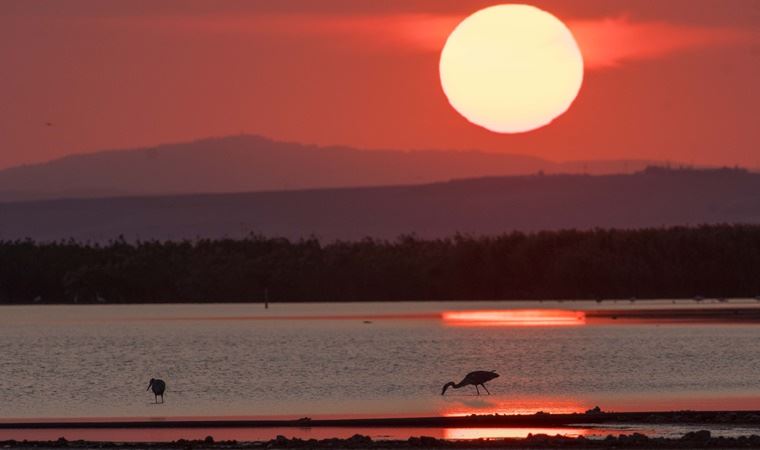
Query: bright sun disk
[511,68]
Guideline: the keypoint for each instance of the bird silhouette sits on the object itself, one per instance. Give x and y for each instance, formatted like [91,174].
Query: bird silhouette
[479,377]
[158,387]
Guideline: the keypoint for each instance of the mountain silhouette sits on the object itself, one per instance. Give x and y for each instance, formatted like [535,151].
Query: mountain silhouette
[651,198]
[252,163]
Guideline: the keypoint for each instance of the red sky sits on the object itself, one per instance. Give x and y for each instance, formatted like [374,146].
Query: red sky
[666,80]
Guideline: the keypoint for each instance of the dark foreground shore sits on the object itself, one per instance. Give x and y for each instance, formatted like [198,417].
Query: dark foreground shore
[692,440]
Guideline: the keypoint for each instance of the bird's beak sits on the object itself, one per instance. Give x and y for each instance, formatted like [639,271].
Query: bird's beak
[149,387]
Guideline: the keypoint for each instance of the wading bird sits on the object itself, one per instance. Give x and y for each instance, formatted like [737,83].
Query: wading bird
[158,387]
[479,377]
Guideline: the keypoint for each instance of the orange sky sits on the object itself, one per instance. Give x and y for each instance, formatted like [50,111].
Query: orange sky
[672,79]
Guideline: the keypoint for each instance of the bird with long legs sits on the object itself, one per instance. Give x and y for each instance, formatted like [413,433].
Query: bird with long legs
[158,387]
[477,378]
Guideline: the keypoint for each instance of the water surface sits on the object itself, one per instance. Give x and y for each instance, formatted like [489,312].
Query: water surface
[364,359]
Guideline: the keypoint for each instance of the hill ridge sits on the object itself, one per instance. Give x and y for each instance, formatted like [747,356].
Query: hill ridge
[244,163]
[654,197]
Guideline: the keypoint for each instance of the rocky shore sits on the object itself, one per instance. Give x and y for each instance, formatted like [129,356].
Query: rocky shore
[594,417]
[692,440]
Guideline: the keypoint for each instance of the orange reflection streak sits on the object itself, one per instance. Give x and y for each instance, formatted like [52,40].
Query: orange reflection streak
[515,318]
[525,406]
[497,433]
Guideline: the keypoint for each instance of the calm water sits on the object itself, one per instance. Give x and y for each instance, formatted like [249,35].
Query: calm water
[363,360]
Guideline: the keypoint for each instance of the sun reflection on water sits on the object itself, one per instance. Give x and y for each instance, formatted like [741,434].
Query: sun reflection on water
[483,405]
[496,433]
[515,318]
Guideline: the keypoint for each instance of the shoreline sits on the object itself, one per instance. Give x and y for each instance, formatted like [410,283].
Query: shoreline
[701,439]
[699,422]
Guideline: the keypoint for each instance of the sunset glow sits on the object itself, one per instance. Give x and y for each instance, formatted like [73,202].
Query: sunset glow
[412,224]
[515,406]
[515,318]
[511,68]
[495,433]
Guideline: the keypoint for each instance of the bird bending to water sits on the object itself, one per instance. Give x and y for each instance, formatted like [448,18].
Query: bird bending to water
[158,387]
[479,377]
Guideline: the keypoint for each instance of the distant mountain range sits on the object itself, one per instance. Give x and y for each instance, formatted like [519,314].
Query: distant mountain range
[650,198]
[252,163]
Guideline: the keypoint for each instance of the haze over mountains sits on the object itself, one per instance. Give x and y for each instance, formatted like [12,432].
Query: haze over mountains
[651,198]
[251,163]
[238,185]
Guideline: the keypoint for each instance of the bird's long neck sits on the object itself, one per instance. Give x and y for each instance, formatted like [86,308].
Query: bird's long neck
[451,384]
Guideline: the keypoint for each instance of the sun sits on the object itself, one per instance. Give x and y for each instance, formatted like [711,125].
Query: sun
[511,68]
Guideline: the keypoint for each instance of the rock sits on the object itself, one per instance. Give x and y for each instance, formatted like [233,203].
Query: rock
[541,437]
[358,440]
[428,441]
[697,436]
[279,441]
[638,437]
[594,410]
[209,440]
[332,442]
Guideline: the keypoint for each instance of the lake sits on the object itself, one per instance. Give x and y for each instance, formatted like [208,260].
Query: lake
[366,360]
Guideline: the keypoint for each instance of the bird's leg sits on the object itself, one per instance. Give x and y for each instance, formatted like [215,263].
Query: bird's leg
[484,387]
[477,390]
[156,395]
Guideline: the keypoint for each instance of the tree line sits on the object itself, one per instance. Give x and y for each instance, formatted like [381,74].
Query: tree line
[677,262]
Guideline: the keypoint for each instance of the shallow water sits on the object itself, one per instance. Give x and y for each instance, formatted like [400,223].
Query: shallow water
[338,360]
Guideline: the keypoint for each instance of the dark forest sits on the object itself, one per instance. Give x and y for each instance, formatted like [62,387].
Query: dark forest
[678,262]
